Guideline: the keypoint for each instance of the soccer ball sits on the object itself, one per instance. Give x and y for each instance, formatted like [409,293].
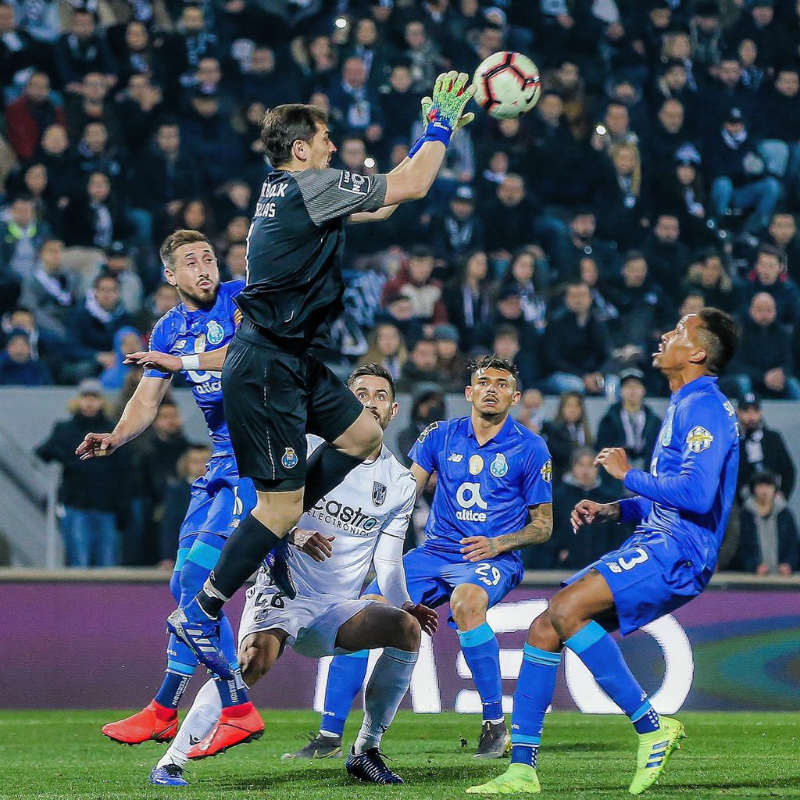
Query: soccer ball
[507,85]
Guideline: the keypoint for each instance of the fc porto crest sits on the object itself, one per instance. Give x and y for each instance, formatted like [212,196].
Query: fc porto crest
[499,466]
[216,333]
[378,493]
[289,458]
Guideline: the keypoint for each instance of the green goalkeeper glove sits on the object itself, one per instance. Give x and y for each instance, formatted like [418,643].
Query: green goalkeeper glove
[445,112]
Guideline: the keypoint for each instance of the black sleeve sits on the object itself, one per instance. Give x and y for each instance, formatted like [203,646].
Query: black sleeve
[333,193]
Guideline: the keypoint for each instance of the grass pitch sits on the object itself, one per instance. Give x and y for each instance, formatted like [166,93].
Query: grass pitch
[61,754]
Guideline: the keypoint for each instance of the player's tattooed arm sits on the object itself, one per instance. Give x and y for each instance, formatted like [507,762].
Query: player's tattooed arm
[537,531]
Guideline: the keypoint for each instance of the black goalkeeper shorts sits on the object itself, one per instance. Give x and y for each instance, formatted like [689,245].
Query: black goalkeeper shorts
[272,399]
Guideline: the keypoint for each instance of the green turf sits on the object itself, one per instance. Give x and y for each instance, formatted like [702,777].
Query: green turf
[61,754]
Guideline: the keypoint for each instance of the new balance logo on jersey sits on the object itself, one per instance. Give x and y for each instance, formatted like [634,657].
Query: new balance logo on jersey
[468,496]
[456,458]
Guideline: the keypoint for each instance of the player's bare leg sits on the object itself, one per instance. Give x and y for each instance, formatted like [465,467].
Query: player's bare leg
[468,605]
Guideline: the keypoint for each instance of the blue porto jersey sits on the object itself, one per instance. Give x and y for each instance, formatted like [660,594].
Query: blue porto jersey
[481,490]
[687,496]
[181,332]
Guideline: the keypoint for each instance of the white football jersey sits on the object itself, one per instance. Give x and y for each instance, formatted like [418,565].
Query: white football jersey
[375,499]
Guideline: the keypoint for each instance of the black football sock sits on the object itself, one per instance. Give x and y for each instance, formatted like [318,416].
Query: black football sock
[327,468]
[242,555]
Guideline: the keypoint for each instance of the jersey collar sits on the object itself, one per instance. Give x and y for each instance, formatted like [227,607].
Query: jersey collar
[693,386]
[502,435]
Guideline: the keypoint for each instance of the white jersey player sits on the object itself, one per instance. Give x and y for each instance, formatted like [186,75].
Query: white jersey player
[362,522]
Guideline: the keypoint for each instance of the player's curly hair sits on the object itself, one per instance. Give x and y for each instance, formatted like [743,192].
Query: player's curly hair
[284,125]
[719,336]
[492,361]
[177,239]
[372,368]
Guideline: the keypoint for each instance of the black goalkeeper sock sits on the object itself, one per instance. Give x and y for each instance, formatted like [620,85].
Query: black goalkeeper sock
[242,555]
[327,468]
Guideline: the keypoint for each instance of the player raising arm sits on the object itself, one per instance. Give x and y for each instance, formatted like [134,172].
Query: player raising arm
[493,496]
[276,388]
[681,507]
[361,521]
[191,338]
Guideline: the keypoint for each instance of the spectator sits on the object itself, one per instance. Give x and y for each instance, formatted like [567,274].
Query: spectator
[17,365]
[422,366]
[423,55]
[451,364]
[780,126]
[738,174]
[118,262]
[761,449]
[669,134]
[90,104]
[506,345]
[235,262]
[763,362]
[576,346]
[622,200]
[581,242]
[581,482]
[427,406]
[510,313]
[96,218]
[48,290]
[521,277]
[768,542]
[531,412]
[728,92]
[191,466]
[95,324]
[21,237]
[415,281]
[164,298]
[568,430]
[127,340]
[263,82]
[642,311]
[666,255]
[387,348]
[90,491]
[460,230]
[682,194]
[356,103]
[630,423]
[399,103]
[783,234]
[96,153]
[769,275]
[468,299]
[508,218]
[602,309]
[708,277]
[60,162]
[81,51]
[140,105]
[30,115]
[191,41]
[18,49]
[137,55]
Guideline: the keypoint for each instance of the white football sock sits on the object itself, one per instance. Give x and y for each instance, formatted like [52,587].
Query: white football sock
[386,688]
[199,721]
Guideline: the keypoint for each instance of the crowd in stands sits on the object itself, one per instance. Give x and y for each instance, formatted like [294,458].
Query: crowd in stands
[660,171]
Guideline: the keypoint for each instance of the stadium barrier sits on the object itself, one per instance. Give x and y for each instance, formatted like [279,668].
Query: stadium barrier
[95,639]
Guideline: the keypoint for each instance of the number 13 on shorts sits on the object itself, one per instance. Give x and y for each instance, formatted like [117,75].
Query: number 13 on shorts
[488,574]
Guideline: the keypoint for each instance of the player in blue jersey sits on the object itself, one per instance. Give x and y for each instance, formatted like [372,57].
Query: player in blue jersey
[681,506]
[192,338]
[493,495]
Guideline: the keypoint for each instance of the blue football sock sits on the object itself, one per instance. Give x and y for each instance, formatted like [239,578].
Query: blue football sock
[535,687]
[181,663]
[345,678]
[482,654]
[600,653]
[231,692]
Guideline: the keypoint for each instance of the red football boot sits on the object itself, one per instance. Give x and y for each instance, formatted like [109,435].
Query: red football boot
[155,722]
[236,725]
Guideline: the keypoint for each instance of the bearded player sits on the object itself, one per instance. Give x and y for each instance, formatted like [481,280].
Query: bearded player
[191,338]
[681,507]
[493,496]
[361,522]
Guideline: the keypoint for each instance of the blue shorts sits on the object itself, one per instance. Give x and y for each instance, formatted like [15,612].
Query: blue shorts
[649,575]
[431,575]
[220,500]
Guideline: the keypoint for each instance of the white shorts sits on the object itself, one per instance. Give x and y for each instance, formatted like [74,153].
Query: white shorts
[311,623]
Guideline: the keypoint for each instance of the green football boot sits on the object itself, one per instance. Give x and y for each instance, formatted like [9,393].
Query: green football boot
[654,752]
[517,779]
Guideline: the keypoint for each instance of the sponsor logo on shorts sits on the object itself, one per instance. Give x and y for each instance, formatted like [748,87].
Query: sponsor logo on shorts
[216,333]
[289,458]
[499,466]
[699,439]
[378,493]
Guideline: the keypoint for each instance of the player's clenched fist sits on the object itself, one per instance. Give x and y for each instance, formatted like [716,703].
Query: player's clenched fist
[95,445]
[427,618]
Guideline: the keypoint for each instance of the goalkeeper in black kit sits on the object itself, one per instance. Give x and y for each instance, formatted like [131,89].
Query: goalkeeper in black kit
[275,388]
